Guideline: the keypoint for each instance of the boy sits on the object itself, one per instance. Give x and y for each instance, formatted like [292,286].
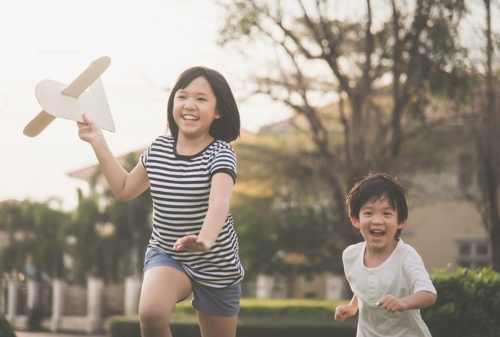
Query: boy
[387,276]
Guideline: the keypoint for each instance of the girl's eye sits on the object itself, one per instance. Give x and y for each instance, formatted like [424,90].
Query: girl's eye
[202,99]
[181,96]
[367,213]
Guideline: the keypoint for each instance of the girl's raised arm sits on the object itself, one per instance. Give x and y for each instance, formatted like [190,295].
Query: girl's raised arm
[124,185]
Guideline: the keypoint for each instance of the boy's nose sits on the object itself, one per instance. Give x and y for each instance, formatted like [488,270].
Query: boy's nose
[377,219]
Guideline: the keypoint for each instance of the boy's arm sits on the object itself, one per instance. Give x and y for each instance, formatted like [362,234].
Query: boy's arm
[218,209]
[424,292]
[345,311]
[418,300]
[354,303]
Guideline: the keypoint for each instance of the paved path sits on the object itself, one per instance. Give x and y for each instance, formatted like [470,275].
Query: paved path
[49,334]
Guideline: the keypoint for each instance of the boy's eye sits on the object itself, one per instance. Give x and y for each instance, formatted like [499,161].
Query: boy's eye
[181,96]
[202,99]
[367,213]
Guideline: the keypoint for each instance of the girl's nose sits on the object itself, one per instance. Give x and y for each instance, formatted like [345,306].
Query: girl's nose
[189,104]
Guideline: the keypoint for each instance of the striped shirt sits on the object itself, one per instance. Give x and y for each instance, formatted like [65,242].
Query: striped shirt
[180,188]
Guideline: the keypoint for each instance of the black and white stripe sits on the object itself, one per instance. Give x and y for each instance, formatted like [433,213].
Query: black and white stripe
[180,188]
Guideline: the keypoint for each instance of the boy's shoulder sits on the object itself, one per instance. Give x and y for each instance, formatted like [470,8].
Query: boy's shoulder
[352,251]
[407,250]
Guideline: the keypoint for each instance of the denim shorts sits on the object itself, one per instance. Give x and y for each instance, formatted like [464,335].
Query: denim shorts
[208,300]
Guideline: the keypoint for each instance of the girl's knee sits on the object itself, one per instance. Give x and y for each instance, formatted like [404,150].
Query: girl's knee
[152,317]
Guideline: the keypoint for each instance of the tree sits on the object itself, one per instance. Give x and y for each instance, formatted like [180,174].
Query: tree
[486,130]
[35,234]
[383,73]
[132,223]
[86,247]
[110,234]
[276,203]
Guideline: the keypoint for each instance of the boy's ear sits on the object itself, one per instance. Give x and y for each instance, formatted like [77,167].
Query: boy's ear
[354,221]
[402,225]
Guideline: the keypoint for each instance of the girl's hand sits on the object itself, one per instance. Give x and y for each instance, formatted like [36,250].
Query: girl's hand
[392,303]
[342,312]
[192,243]
[88,132]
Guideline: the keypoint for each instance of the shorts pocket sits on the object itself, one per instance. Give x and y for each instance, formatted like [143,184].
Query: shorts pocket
[151,252]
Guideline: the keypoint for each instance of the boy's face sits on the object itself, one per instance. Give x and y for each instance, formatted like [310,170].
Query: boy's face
[378,223]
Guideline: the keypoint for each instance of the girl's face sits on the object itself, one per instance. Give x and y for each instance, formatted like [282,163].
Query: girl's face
[194,108]
[378,224]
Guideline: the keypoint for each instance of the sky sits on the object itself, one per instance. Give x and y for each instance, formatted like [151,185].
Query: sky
[149,42]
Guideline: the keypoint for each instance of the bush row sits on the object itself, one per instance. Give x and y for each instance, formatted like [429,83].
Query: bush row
[5,328]
[468,306]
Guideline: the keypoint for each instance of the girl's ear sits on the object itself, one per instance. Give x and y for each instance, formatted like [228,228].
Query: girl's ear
[402,225]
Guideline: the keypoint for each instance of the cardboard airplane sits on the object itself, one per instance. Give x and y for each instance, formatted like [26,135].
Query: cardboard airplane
[84,95]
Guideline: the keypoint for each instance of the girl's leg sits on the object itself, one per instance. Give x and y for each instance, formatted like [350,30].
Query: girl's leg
[217,326]
[162,288]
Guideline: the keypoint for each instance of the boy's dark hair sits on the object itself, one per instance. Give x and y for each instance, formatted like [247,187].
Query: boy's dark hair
[227,127]
[373,187]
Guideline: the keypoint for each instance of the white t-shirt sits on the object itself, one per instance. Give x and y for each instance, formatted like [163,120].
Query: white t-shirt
[402,274]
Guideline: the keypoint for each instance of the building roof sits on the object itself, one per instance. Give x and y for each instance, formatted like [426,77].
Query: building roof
[86,173]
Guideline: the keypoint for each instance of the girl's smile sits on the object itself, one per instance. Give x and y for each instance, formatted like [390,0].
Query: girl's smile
[195,108]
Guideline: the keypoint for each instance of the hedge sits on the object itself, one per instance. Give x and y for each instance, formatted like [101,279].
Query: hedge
[129,327]
[5,328]
[468,304]
[262,318]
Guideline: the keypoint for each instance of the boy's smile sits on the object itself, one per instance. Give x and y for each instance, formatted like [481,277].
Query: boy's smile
[378,224]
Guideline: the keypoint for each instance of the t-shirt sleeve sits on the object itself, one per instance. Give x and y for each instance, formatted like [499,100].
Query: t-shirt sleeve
[144,157]
[224,161]
[348,260]
[418,276]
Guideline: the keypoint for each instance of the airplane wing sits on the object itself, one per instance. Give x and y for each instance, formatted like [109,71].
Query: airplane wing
[74,89]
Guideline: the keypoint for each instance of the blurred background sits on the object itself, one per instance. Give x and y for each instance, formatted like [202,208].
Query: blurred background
[328,92]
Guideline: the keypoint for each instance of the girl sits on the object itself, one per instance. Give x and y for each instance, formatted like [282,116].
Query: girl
[193,247]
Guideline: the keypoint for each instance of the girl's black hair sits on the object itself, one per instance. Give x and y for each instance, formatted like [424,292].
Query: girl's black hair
[227,127]
[373,187]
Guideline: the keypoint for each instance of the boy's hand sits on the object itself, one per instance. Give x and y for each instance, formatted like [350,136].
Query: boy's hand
[392,303]
[342,312]
[191,243]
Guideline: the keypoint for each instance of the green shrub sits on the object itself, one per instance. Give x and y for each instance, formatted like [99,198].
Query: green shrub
[5,329]
[129,327]
[286,308]
[35,316]
[468,304]
[258,318]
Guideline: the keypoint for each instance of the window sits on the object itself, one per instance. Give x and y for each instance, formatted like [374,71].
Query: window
[464,248]
[473,253]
